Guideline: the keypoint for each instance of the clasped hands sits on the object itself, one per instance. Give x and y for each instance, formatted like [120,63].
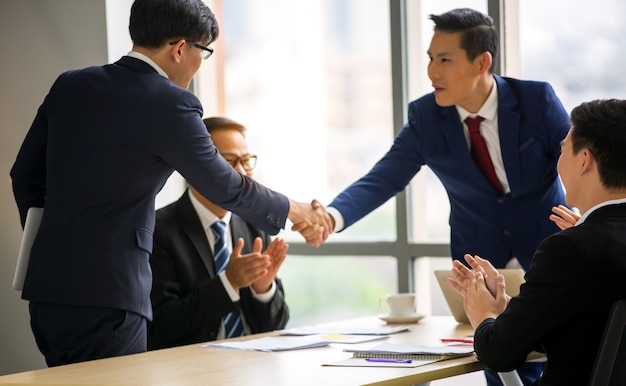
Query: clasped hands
[482,289]
[312,221]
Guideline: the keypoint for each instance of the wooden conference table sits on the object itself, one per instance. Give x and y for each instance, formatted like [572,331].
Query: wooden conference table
[196,365]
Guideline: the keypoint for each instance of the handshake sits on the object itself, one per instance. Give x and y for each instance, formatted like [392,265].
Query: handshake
[312,221]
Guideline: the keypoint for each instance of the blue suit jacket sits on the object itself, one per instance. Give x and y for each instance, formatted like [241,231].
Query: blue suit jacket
[102,145]
[532,122]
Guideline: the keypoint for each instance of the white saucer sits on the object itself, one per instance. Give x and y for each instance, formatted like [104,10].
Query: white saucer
[402,319]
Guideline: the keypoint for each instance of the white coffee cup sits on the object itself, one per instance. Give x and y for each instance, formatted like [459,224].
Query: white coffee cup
[398,305]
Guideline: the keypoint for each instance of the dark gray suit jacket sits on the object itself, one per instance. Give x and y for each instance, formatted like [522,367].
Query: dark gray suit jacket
[189,299]
[102,145]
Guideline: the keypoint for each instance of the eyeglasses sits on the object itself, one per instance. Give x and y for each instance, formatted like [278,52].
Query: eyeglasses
[248,161]
[206,51]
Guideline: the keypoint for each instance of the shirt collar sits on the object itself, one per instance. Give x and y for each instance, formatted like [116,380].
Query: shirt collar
[207,218]
[600,205]
[488,110]
[142,57]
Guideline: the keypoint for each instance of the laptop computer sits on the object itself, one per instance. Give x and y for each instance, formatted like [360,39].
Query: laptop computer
[513,278]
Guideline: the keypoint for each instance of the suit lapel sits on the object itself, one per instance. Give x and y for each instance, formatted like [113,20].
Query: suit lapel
[508,127]
[452,130]
[239,228]
[193,228]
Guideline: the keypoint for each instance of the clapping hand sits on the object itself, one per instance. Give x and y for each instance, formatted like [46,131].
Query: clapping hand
[483,289]
[243,270]
[277,253]
[563,217]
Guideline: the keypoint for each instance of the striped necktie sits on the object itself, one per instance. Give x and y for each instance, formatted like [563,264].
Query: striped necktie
[232,321]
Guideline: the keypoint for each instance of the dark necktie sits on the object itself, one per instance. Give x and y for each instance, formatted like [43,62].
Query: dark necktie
[232,321]
[479,151]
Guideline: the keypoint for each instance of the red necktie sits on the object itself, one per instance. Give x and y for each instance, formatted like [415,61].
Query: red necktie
[479,151]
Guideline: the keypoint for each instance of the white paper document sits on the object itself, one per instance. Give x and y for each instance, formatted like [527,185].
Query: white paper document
[272,343]
[348,339]
[314,330]
[31,227]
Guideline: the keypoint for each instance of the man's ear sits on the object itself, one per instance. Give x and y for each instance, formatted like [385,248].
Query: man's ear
[176,50]
[588,161]
[484,60]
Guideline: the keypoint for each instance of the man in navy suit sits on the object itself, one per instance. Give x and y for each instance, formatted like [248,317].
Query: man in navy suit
[102,145]
[523,124]
[189,297]
[576,275]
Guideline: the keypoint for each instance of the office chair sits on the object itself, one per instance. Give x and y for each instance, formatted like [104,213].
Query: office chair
[610,366]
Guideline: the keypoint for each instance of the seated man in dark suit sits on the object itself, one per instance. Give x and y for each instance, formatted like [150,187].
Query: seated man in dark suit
[192,297]
[575,276]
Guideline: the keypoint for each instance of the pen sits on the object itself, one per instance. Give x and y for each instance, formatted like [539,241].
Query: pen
[388,360]
[471,341]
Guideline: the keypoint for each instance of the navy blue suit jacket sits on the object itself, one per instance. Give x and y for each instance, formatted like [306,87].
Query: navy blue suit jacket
[102,145]
[532,122]
[188,298]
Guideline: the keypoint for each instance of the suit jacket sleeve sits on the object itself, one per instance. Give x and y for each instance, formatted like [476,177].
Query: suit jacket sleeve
[389,176]
[28,174]
[187,147]
[553,294]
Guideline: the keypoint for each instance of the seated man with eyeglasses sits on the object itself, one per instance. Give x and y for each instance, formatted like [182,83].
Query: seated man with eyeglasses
[194,298]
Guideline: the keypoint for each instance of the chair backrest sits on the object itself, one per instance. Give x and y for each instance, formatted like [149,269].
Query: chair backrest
[610,366]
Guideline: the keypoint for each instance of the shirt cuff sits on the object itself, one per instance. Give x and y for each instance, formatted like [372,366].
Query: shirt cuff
[267,296]
[234,295]
[339,221]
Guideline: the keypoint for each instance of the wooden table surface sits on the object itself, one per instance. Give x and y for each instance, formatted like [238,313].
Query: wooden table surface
[196,365]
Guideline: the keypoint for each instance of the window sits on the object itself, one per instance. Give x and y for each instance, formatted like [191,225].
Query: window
[311,81]
[578,51]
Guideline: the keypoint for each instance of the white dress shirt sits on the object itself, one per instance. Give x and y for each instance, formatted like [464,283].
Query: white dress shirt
[207,218]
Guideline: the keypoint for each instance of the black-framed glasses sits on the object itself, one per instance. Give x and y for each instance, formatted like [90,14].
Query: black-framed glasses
[248,161]
[206,51]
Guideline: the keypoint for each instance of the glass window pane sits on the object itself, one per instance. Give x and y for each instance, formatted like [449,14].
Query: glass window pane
[328,288]
[579,49]
[311,81]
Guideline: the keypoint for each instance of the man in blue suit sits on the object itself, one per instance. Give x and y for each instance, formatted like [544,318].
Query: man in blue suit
[102,145]
[501,215]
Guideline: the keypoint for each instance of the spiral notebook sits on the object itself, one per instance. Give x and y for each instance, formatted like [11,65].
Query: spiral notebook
[418,355]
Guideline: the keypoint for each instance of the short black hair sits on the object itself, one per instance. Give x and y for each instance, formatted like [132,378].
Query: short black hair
[600,126]
[220,123]
[154,22]
[478,32]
